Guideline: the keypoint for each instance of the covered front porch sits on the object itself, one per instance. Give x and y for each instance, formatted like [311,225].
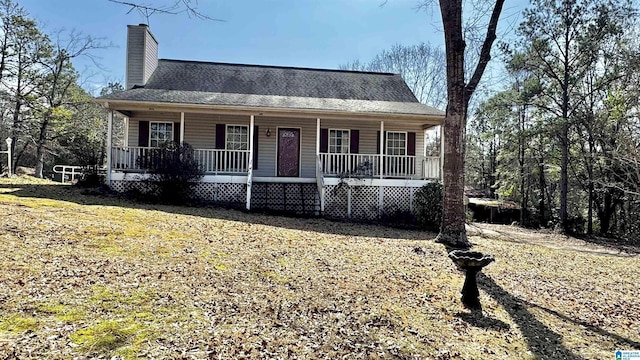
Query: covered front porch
[269,146]
[234,162]
[239,152]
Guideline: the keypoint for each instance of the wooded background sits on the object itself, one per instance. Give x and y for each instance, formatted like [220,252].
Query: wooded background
[554,128]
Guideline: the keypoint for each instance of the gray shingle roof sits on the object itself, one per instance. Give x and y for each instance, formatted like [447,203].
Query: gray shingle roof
[273,101]
[192,82]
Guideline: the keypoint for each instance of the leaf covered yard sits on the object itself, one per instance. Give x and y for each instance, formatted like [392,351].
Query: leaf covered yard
[90,276]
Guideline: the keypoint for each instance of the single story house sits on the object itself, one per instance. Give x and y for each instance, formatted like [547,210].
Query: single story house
[274,137]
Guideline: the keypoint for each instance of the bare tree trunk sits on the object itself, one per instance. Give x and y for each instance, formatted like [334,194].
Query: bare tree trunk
[564,176]
[564,134]
[15,131]
[590,210]
[453,224]
[492,167]
[521,153]
[543,190]
[452,232]
[40,147]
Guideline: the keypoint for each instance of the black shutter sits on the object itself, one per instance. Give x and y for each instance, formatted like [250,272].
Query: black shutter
[176,132]
[411,144]
[324,140]
[354,142]
[383,143]
[221,140]
[143,133]
[256,135]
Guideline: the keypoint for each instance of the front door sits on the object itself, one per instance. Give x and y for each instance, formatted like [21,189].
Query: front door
[288,152]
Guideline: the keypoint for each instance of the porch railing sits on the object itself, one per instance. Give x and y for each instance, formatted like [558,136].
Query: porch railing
[369,165]
[212,161]
[220,161]
[350,165]
[431,167]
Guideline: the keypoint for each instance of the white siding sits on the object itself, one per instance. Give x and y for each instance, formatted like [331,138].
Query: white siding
[369,132]
[148,116]
[200,129]
[200,132]
[268,145]
[369,141]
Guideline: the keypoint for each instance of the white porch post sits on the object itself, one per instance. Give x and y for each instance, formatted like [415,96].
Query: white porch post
[381,149]
[181,128]
[126,132]
[109,140]
[319,176]
[318,136]
[250,161]
[381,188]
[442,152]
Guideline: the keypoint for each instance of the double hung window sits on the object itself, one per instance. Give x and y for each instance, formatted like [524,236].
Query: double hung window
[339,141]
[396,143]
[160,133]
[237,137]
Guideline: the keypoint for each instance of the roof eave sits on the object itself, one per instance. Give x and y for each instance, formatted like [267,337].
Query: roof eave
[263,110]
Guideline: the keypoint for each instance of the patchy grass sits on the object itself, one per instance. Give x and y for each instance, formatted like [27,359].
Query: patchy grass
[14,323]
[87,276]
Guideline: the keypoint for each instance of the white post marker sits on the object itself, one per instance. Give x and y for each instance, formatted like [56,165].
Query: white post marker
[8,152]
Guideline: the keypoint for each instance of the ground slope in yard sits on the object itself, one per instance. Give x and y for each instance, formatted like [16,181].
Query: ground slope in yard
[84,275]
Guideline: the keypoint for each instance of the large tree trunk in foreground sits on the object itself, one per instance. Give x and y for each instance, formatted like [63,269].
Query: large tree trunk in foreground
[452,232]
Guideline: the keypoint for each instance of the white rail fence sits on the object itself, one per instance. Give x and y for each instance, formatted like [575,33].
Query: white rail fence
[71,173]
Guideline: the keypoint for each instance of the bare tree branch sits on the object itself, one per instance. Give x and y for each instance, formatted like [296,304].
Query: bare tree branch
[485,52]
[188,7]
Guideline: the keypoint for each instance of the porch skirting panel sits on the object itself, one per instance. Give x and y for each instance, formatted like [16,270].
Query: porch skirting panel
[223,193]
[350,200]
[293,198]
[367,203]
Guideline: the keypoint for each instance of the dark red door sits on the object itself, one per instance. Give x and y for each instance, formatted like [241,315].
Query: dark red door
[288,152]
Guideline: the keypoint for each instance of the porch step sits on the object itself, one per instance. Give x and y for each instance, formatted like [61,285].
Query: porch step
[291,198]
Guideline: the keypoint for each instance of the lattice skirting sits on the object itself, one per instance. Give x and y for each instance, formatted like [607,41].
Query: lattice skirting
[366,202]
[221,192]
[296,198]
[341,201]
[225,193]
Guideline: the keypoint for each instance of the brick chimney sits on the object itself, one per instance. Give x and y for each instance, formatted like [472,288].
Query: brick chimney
[142,55]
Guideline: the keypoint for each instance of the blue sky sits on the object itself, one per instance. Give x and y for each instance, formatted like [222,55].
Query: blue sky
[304,33]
